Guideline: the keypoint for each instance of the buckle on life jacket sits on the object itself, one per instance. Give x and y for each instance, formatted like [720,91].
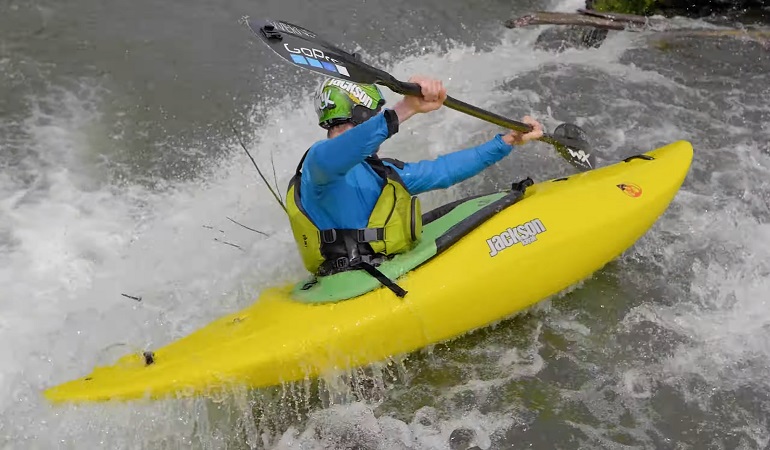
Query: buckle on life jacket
[370,234]
[340,264]
[361,235]
[329,236]
[343,263]
[362,262]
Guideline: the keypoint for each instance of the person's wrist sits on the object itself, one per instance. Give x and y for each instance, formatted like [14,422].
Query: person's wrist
[509,139]
[403,110]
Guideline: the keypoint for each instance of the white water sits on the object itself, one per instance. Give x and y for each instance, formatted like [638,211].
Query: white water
[78,243]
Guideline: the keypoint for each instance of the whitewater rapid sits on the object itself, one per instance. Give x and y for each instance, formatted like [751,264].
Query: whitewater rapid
[74,238]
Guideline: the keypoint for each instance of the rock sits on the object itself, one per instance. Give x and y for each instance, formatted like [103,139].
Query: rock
[560,39]
[461,439]
[426,417]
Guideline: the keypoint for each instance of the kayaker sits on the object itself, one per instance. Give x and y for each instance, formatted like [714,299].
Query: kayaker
[348,208]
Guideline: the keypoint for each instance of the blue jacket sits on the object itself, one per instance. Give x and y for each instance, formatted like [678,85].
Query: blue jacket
[339,189]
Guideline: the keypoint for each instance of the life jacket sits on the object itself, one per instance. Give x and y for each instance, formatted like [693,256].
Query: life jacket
[394,226]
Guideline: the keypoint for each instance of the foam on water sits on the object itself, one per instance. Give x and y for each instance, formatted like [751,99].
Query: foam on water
[73,245]
[724,317]
[73,241]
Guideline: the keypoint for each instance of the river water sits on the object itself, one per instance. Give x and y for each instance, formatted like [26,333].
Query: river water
[119,171]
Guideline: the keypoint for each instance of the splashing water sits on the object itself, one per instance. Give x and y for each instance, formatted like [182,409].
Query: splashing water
[667,340]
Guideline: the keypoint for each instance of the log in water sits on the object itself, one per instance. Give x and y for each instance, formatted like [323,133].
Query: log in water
[630,22]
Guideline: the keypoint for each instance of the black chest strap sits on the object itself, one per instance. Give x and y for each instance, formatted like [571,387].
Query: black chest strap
[387,282]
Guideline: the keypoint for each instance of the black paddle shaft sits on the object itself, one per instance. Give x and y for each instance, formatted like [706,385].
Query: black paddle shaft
[306,49]
[459,105]
[414,89]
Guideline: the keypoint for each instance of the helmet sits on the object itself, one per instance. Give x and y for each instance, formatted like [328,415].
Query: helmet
[339,101]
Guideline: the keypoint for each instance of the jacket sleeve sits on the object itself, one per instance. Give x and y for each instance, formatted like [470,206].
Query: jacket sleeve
[330,159]
[452,168]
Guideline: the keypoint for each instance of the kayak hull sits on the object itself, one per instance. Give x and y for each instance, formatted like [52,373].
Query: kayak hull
[558,234]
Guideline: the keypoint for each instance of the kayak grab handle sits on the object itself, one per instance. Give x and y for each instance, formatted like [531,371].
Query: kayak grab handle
[644,157]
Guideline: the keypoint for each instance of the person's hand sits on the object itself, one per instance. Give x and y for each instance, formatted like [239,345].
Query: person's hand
[433,96]
[514,137]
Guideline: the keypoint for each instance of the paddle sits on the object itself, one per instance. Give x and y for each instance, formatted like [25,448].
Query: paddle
[306,49]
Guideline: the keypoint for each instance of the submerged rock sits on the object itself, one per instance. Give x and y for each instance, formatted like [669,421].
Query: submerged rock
[462,439]
[426,417]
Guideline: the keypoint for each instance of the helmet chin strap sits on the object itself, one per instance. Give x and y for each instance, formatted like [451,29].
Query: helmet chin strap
[361,114]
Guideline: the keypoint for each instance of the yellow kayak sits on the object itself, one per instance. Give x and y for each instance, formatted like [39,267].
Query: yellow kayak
[522,247]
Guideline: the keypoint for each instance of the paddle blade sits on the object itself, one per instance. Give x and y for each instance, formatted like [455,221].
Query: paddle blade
[307,50]
[572,143]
